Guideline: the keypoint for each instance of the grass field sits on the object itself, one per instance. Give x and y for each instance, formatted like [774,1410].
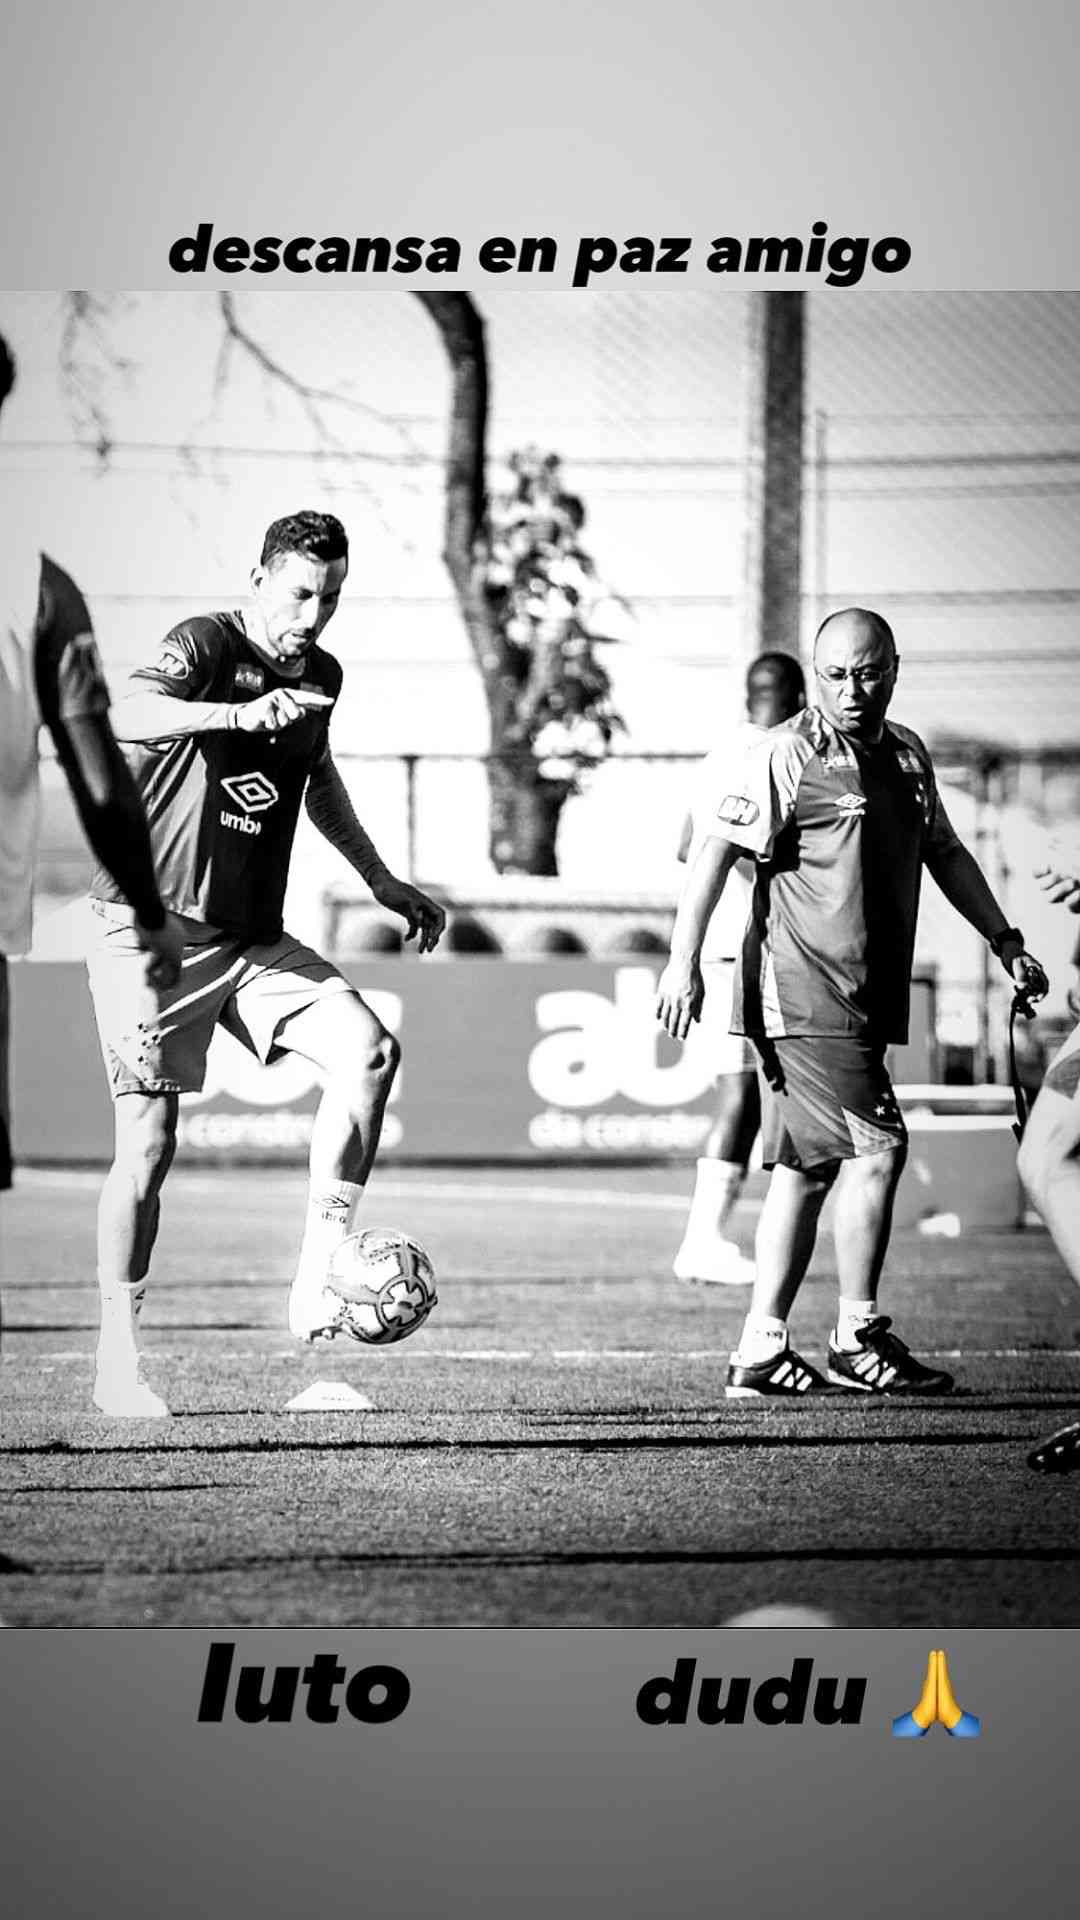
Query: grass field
[554,1447]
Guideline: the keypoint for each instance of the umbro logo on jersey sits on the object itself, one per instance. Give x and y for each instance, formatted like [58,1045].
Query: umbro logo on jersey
[738,810]
[851,803]
[253,792]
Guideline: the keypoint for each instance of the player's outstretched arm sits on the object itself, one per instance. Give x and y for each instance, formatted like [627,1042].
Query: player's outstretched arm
[681,990]
[114,823]
[331,811]
[966,888]
[146,715]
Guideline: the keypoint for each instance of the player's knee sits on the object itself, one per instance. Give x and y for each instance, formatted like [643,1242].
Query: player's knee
[386,1057]
[880,1172]
[379,1060]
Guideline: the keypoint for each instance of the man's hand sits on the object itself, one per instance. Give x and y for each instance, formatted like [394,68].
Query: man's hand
[679,997]
[421,915]
[1062,888]
[280,708]
[165,945]
[1022,967]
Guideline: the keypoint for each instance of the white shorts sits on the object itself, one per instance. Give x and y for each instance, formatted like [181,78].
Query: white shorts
[156,1042]
[729,1052]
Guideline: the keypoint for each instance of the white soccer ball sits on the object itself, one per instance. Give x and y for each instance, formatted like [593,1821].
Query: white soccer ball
[382,1286]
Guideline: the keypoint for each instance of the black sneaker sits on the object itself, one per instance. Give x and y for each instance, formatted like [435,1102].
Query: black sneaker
[883,1364]
[785,1377]
[1059,1452]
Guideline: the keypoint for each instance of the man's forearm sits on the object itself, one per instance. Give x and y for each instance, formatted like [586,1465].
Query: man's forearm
[331,811]
[704,883]
[966,888]
[143,717]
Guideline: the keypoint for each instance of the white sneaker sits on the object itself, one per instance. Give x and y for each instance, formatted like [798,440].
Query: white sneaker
[119,1388]
[311,1310]
[719,1263]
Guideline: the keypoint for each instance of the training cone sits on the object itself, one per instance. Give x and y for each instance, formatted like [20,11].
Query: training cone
[330,1396]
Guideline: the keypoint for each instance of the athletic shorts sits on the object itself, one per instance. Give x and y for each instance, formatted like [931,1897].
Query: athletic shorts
[1063,1074]
[157,1042]
[824,1100]
[726,1052]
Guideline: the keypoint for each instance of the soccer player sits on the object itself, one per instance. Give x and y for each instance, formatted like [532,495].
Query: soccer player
[50,675]
[840,809]
[775,690]
[1049,1163]
[229,731]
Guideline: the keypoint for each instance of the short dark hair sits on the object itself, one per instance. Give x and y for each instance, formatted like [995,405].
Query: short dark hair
[787,669]
[7,370]
[881,627]
[318,535]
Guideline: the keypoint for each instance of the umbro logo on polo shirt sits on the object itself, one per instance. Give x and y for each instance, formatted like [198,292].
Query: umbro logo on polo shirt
[852,803]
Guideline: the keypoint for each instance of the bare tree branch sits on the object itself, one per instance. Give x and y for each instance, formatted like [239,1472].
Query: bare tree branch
[88,361]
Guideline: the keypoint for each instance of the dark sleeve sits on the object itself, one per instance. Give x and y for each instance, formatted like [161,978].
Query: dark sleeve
[188,661]
[67,668]
[109,807]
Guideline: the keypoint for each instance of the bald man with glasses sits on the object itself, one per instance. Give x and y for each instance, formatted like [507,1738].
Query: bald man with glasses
[839,807]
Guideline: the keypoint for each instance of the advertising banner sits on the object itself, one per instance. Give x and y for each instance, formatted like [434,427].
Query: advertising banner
[502,1060]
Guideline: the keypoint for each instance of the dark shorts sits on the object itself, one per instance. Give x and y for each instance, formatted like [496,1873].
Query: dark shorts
[824,1100]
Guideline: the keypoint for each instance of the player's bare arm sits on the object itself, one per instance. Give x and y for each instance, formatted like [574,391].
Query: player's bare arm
[331,811]
[681,989]
[966,888]
[115,825]
[145,716]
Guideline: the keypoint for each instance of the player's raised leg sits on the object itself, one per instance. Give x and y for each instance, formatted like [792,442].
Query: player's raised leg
[128,1215]
[358,1059]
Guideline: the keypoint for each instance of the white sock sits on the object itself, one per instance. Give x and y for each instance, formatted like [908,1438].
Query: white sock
[716,1189]
[762,1338]
[120,1307]
[331,1213]
[850,1316]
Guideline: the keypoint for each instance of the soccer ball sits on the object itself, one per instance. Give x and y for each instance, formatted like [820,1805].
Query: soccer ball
[382,1285]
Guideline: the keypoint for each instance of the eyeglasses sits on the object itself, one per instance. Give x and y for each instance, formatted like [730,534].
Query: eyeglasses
[862,676]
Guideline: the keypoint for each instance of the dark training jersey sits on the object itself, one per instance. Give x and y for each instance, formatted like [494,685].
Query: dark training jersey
[222,806]
[841,832]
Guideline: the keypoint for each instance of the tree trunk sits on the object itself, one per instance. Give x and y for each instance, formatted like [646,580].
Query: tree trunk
[523,817]
[774,475]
